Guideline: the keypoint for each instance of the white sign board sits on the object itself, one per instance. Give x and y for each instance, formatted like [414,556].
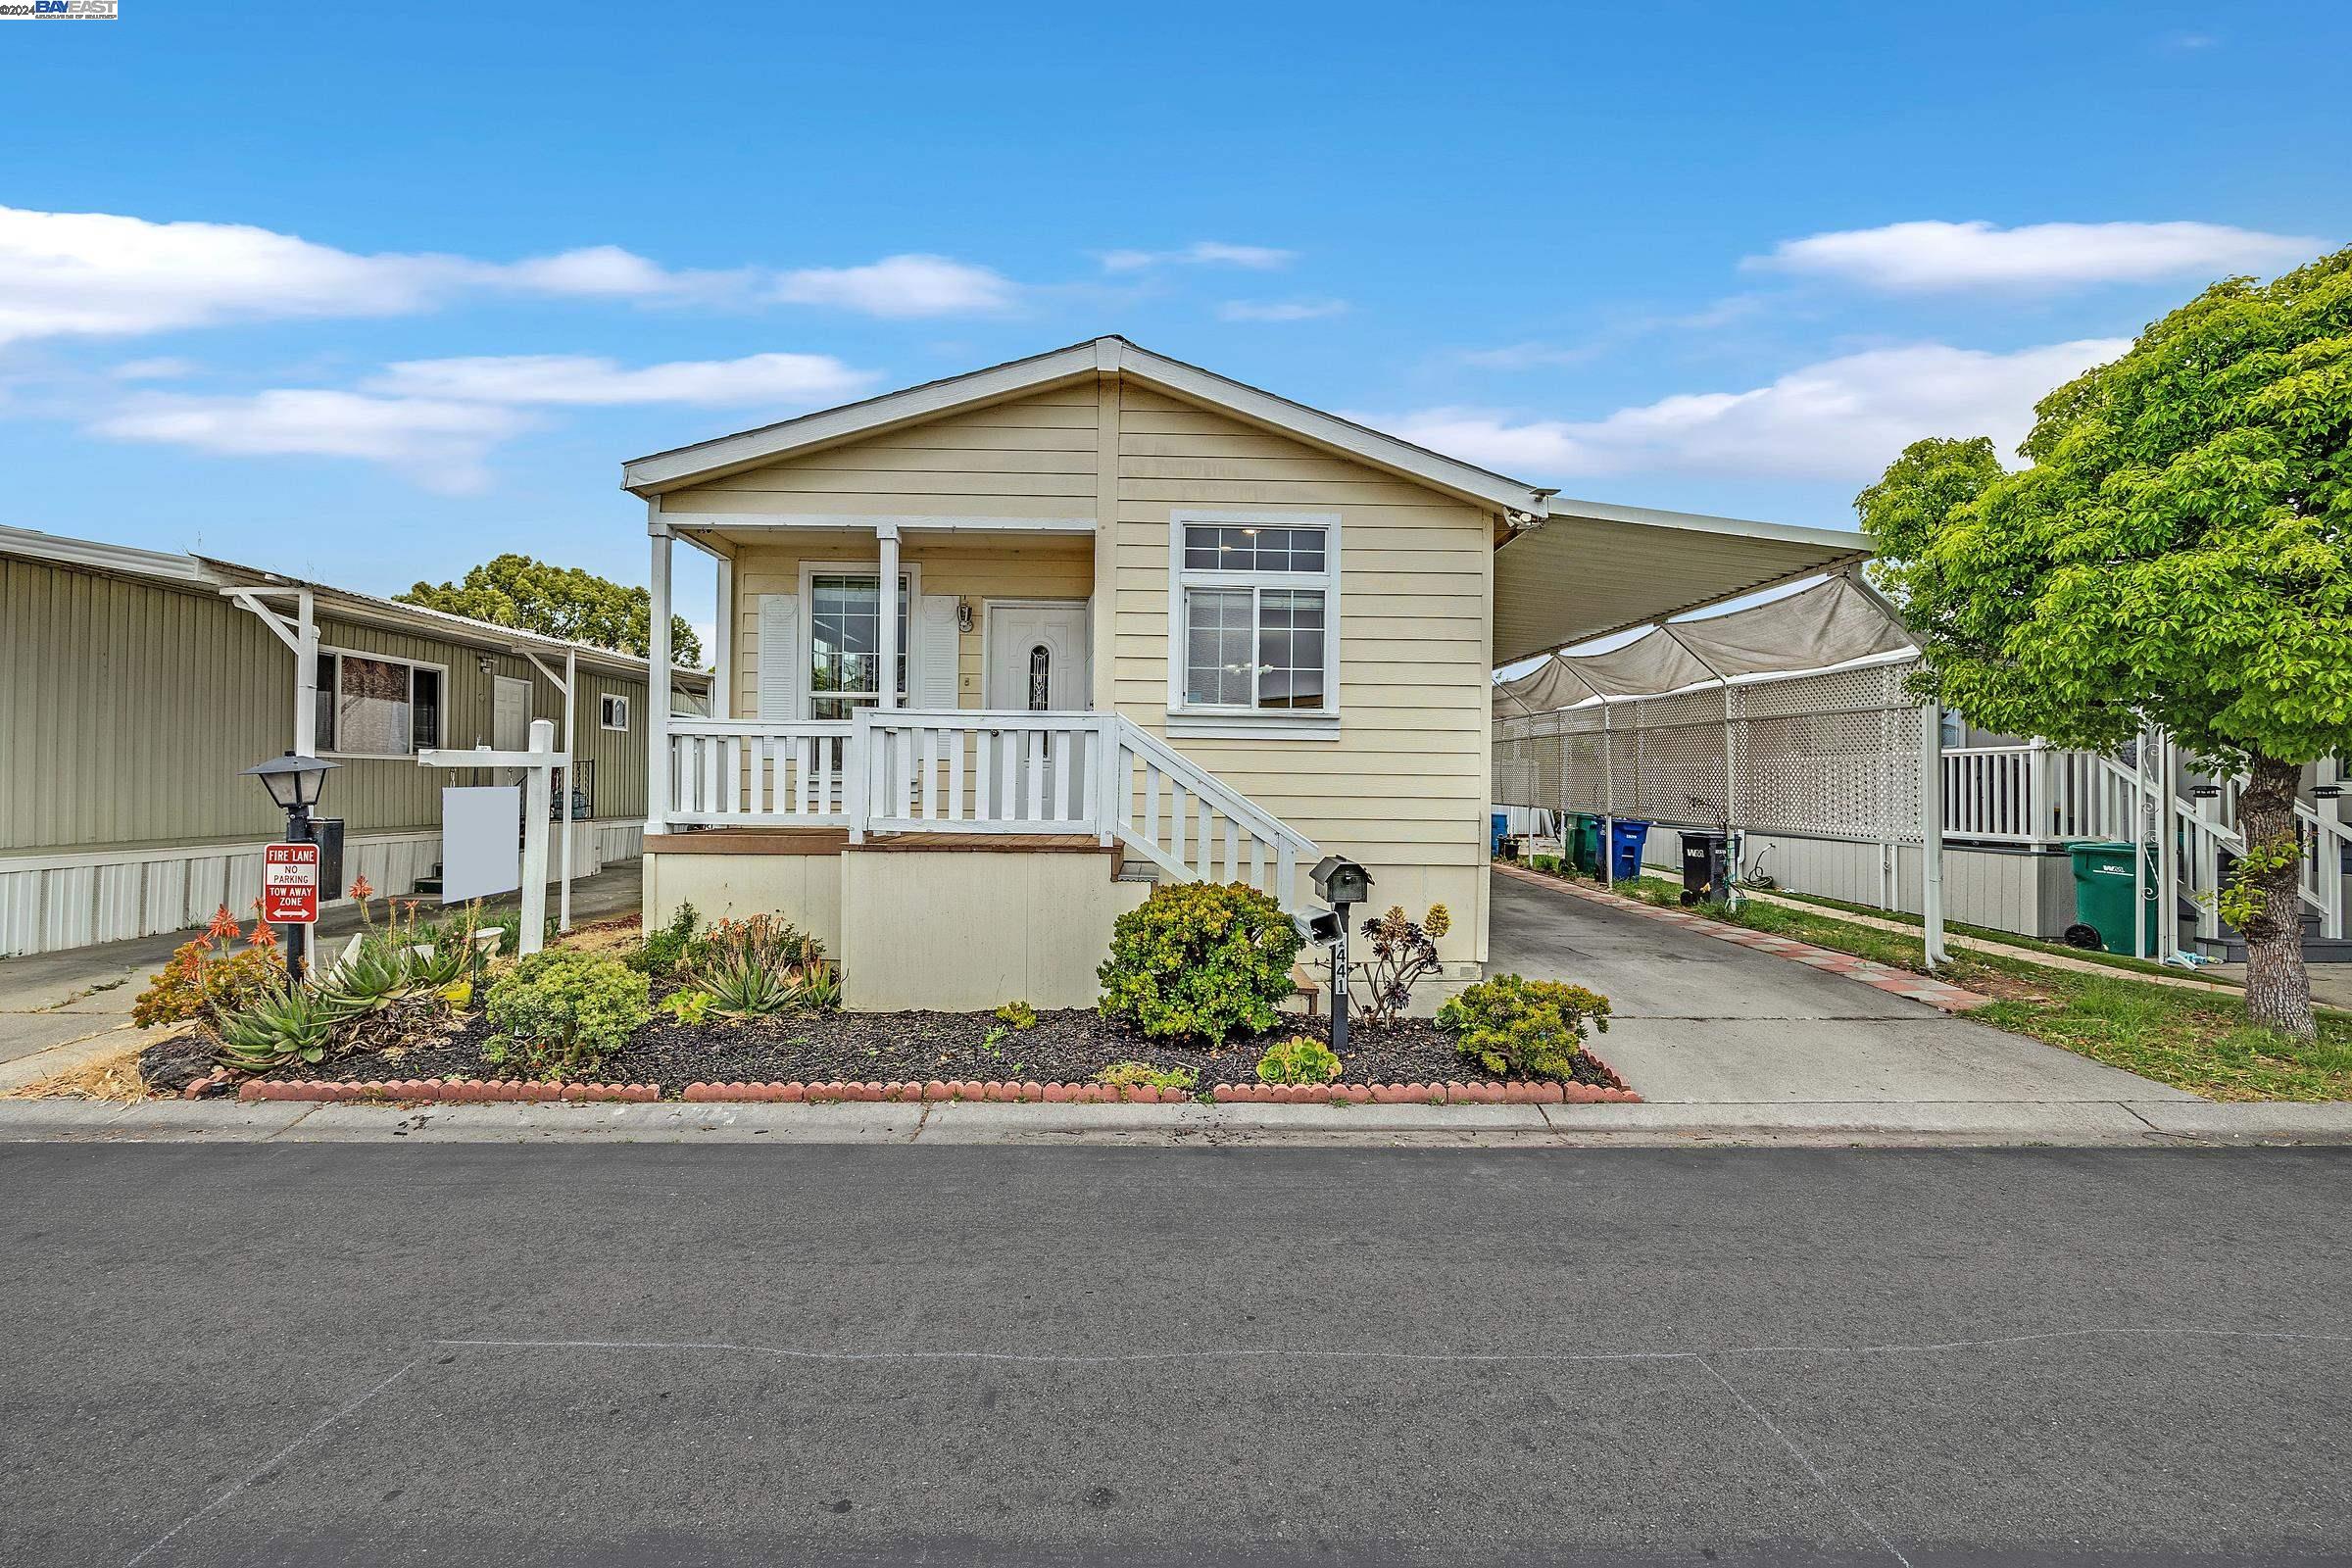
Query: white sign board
[480,842]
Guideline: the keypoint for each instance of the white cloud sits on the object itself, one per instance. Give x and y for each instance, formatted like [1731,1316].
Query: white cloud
[165,368]
[1199,253]
[1279,310]
[900,286]
[587,380]
[1840,419]
[1926,257]
[103,274]
[1528,356]
[439,443]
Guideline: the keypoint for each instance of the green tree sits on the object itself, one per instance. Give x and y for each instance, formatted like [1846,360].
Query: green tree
[2178,551]
[556,601]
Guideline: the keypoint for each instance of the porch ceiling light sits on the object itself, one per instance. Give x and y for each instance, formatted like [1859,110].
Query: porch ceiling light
[294,783]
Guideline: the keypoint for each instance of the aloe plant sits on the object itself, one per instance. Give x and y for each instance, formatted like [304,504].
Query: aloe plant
[285,1025]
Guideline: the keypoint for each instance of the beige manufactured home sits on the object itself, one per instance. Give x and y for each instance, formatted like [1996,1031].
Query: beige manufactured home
[1148,622]
[135,685]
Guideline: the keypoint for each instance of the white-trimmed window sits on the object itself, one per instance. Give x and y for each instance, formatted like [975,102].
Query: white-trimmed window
[842,671]
[613,710]
[373,704]
[1255,614]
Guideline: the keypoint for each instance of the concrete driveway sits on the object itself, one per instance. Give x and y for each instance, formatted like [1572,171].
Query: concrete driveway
[1698,1021]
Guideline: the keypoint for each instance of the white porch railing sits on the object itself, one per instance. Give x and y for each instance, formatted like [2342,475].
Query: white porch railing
[965,770]
[2034,795]
[754,772]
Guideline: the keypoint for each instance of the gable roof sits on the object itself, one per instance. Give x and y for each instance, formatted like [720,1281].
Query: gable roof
[651,475]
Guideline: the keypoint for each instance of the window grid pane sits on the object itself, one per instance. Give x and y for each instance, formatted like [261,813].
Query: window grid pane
[1218,666]
[1251,547]
[1290,649]
[371,707]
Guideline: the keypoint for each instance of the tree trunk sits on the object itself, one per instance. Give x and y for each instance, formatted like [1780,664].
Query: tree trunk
[2277,986]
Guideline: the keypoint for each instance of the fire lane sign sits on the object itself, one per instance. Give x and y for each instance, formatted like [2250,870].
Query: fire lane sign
[290,884]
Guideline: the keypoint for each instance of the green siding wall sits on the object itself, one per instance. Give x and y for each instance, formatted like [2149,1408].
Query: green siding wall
[128,709]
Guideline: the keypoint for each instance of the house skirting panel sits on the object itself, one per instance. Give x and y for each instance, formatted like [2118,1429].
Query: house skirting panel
[49,902]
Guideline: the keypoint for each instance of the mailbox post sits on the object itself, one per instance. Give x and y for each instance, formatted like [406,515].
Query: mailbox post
[1342,883]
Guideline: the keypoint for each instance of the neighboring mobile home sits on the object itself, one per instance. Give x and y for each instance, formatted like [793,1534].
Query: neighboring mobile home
[1150,623]
[135,685]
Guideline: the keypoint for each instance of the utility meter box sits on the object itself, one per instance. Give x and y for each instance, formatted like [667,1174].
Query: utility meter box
[1341,881]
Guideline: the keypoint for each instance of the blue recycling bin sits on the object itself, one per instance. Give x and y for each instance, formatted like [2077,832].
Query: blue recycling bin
[1625,849]
[1502,829]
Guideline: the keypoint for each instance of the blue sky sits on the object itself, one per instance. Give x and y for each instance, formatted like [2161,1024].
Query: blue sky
[374,292]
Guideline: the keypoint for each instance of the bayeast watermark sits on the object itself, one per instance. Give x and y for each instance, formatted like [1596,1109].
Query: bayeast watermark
[56,10]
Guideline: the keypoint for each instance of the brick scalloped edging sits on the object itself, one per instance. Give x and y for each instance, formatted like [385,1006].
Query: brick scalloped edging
[1941,994]
[482,1091]
[455,1091]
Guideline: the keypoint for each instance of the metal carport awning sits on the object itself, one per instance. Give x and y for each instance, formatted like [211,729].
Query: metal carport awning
[1591,569]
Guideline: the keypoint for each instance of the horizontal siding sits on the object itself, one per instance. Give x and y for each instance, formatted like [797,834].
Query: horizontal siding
[141,706]
[1014,568]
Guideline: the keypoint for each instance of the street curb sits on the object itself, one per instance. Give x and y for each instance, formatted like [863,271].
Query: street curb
[480,1091]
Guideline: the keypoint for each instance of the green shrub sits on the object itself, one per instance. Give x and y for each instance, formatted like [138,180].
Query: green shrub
[1143,1075]
[560,1012]
[1547,862]
[1300,1059]
[669,948]
[763,965]
[688,1007]
[1532,1028]
[1017,1015]
[1201,961]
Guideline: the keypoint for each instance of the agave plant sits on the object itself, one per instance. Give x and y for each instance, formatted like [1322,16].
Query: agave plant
[287,1024]
[816,985]
[743,984]
[376,974]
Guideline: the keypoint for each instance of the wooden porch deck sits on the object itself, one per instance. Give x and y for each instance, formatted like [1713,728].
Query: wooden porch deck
[836,841]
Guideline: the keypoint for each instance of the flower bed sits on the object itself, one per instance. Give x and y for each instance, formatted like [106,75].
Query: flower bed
[1064,1047]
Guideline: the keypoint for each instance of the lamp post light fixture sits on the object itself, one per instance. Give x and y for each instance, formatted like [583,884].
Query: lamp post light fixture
[295,784]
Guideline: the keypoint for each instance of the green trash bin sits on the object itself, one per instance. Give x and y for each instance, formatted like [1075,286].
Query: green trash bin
[1584,843]
[2104,896]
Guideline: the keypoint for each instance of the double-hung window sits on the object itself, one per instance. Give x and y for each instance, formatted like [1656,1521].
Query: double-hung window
[845,642]
[373,706]
[1255,615]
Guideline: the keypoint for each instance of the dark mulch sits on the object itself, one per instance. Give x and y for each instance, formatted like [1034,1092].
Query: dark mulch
[1065,1047]
[171,1064]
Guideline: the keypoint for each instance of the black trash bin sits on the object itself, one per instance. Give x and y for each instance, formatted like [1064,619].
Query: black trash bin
[1706,866]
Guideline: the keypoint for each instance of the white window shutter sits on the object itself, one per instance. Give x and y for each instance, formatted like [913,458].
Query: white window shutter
[780,656]
[932,680]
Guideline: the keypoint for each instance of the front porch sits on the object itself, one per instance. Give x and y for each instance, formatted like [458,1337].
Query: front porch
[952,858]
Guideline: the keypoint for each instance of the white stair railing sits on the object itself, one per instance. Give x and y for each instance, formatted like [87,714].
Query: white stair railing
[1191,825]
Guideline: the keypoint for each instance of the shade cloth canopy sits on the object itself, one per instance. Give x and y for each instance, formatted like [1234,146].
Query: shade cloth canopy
[1831,623]
[1592,568]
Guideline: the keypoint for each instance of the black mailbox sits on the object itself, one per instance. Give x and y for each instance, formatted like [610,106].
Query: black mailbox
[328,833]
[1341,881]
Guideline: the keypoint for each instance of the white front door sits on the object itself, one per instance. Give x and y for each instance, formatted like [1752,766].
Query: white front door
[1038,657]
[509,721]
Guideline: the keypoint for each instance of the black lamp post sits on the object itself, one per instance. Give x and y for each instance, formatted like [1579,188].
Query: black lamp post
[295,784]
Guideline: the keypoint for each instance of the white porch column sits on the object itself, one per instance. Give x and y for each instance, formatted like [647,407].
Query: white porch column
[657,683]
[305,678]
[572,769]
[1930,832]
[887,536]
[722,641]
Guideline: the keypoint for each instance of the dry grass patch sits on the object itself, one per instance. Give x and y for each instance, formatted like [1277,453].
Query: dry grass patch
[113,1076]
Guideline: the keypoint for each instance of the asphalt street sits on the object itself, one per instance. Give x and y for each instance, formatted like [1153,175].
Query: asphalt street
[302,1354]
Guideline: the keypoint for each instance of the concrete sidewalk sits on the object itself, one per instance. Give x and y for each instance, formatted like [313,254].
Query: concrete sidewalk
[1952,1123]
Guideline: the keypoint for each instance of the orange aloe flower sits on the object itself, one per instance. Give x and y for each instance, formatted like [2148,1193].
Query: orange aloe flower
[223,926]
[362,890]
